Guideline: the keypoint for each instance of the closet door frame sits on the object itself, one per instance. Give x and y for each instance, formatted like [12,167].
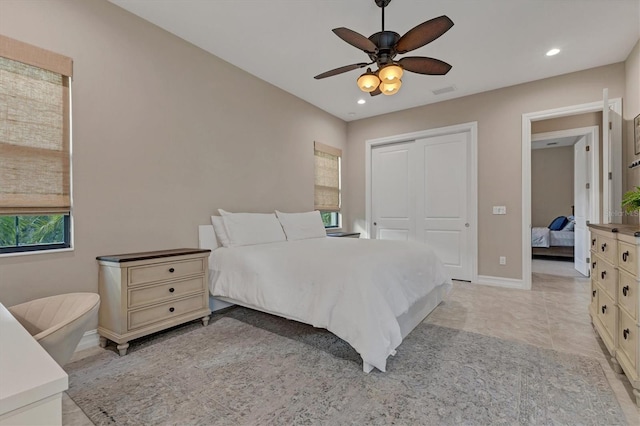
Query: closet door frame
[472,129]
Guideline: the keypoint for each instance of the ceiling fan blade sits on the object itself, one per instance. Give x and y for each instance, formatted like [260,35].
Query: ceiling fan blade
[355,39]
[423,34]
[340,70]
[422,65]
[376,92]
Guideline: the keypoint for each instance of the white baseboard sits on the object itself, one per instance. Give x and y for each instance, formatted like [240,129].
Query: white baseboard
[90,339]
[502,282]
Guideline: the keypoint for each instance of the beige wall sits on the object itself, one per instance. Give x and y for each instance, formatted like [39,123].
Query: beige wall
[499,116]
[163,134]
[551,184]
[631,108]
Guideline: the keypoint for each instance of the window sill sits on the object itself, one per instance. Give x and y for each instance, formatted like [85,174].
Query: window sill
[28,253]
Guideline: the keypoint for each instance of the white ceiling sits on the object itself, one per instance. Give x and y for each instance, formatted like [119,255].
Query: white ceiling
[493,44]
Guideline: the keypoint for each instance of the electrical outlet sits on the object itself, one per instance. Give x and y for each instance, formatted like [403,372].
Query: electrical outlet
[503,260]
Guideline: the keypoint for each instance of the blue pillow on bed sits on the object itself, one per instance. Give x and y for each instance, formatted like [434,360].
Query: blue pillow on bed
[558,223]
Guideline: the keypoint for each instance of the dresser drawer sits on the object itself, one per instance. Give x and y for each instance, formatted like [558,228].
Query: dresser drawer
[607,248]
[141,296]
[594,242]
[628,257]
[628,293]
[607,312]
[628,337]
[157,313]
[594,267]
[165,271]
[608,278]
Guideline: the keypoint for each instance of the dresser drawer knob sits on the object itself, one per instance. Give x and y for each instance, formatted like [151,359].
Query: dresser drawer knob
[603,274]
[593,265]
[625,256]
[593,241]
[172,270]
[171,309]
[603,247]
[593,293]
[625,333]
[625,290]
[171,290]
[604,308]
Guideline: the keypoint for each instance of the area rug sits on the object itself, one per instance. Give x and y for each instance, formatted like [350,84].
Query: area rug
[249,368]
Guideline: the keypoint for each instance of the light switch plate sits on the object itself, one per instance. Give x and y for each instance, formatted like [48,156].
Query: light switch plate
[499,209]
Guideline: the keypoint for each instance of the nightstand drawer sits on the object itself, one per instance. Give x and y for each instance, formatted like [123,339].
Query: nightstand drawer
[628,294]
[628,257]
[164,311]
[165,271]
[628,337]
[141,296]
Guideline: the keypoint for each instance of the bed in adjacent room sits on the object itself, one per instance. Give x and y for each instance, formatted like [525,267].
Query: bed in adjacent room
[370,293]
[555,240]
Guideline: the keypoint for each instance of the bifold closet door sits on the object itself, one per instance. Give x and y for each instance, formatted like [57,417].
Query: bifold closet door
[393,192]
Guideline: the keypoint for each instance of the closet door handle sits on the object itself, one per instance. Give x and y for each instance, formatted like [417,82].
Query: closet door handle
[603,274]
[625,256]
[625,333]
[625,290]
[603,247]
[604,308]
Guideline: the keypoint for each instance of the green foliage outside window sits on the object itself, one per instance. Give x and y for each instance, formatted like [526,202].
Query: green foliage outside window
[18,231]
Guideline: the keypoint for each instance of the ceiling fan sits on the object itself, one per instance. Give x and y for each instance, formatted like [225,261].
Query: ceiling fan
[382,47]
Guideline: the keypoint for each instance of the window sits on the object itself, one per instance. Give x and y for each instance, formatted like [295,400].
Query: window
[328,183]
[35,148]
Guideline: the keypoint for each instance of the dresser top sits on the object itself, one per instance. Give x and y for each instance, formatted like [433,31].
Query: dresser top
[632,230]
[145,255]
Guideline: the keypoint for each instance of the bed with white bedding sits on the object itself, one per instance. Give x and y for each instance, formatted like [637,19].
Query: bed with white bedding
[370,293]
[557,239]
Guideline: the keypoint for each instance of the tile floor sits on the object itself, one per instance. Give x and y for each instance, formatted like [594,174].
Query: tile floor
[552,315]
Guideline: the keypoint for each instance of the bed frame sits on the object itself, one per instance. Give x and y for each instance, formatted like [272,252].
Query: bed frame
[407,321]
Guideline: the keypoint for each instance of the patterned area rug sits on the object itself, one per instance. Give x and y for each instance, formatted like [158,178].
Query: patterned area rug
[250,368]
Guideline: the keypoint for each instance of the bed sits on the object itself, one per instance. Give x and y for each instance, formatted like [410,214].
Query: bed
[557,239]
[370,293]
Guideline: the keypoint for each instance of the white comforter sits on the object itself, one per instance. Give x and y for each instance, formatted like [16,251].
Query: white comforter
[355,288]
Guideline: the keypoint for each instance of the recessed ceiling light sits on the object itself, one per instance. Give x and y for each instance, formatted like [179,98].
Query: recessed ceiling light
[361,101]
[553,52]
[351,114]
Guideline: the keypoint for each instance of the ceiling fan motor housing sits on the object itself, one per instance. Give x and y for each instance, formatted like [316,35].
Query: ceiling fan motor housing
[385,40]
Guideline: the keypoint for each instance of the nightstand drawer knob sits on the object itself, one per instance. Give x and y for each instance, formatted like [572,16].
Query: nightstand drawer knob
[625,333]
[604,308]
[172,270]
[172,309]
[171,290]
[603,274]
[625,256]
[603,247]
[625,290]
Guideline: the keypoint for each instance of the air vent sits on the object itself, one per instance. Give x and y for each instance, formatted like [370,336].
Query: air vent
[444,90]
[552,143]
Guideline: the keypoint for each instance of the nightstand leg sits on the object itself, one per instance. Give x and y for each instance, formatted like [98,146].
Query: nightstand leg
[103,342]
[205,321]
[122,349]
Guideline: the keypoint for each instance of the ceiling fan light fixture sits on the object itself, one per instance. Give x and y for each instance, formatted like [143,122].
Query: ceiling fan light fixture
[368,82]
[390,73]
[390,88]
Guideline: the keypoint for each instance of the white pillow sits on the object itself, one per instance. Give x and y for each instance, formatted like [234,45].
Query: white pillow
[221,233]
[244,229]
[300,226]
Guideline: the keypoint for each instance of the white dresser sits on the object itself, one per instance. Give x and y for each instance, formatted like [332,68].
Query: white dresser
[142,293]
[615,296]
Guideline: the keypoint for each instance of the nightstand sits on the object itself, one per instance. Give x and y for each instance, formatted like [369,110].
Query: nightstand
[142,293]
[344,234]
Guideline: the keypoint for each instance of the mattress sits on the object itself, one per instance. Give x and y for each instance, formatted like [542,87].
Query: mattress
[562,238]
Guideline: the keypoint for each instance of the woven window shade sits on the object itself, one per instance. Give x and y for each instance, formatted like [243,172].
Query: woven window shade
[327,177]
[34,134]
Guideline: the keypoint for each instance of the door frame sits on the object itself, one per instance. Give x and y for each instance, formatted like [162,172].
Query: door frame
[472,129]
[527,119]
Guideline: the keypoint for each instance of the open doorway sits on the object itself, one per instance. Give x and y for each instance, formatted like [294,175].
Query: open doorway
[565,192]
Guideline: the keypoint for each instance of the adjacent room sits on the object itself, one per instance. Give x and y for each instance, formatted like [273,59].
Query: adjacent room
[310,212]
